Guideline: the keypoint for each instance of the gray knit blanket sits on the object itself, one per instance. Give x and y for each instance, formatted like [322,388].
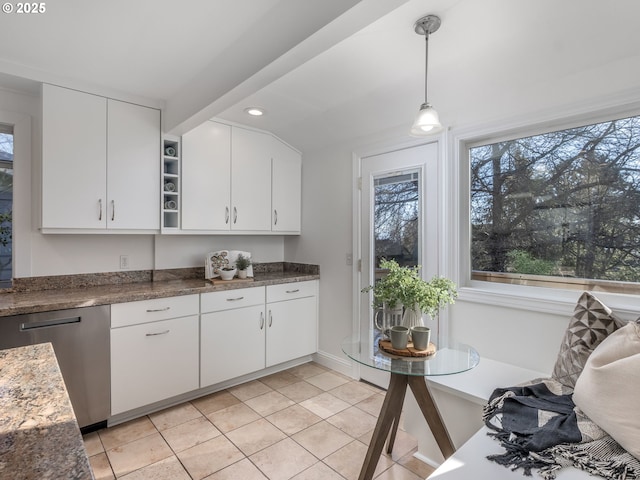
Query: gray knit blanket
[540,428]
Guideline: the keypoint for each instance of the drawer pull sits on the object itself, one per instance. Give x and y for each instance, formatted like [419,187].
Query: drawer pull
[156,334]
[152,310]
[234,299]
[293,291]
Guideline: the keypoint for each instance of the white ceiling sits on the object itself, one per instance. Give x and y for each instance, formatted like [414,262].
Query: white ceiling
[325,70]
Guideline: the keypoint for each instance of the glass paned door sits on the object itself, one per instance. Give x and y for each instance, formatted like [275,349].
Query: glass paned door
[394,218]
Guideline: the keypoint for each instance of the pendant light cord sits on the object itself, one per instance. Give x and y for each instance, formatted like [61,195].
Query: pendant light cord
[426,64]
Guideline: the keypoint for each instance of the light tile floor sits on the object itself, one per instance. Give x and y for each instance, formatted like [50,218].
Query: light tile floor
[305,423]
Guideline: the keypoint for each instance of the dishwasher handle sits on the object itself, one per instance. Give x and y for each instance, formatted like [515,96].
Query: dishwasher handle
[49,323]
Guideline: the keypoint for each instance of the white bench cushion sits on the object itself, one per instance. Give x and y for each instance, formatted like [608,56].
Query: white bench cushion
[470,461]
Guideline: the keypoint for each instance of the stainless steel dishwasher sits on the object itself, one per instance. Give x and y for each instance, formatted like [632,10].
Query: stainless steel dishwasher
[80,339]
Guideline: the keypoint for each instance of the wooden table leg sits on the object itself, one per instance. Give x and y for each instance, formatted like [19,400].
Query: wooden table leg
[392,435]
[391,407]
[431,414]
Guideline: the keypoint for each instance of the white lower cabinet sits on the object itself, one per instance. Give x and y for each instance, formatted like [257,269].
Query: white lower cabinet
[242,331]
[292,326]
[232,326]
[153,359]
[166,347]
[232,344]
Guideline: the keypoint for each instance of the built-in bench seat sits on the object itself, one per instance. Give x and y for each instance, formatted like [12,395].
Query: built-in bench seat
[476,386]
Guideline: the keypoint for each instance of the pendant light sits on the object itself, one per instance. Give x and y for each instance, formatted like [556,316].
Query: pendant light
[427,121]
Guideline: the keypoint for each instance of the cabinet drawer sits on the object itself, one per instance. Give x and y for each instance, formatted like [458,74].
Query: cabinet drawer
[144,311]
[236,298]
[289,291]
[153,362]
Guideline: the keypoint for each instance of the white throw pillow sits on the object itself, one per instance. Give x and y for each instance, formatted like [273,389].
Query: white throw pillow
[608,389]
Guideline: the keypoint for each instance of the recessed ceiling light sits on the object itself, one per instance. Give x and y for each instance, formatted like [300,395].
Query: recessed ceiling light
[255,111]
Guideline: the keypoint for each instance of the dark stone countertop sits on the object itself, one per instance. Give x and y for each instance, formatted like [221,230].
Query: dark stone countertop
[34,301]
[39,434]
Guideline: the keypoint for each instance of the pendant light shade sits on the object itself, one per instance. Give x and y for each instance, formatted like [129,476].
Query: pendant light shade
[427,121]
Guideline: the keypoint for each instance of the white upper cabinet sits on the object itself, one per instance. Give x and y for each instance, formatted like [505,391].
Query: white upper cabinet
[100,163]
[133,175]
[250,180]
[74,159]
[206,170]
[286,188]
[239,180]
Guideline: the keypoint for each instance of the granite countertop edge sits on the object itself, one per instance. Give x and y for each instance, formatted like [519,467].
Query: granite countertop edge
[19,303]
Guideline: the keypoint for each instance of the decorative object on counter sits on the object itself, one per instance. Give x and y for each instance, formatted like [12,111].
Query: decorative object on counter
[170,151]
[242,264]
[227,273]
[169,187]
[224,258]
[215,261]
[404,286]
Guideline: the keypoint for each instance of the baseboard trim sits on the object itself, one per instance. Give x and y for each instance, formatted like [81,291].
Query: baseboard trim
[339,364]
[427,460]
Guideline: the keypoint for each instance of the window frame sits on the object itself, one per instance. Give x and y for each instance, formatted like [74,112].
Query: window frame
[545,299]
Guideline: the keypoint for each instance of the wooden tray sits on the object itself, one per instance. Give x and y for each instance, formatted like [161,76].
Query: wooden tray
[385,345]
[219,281]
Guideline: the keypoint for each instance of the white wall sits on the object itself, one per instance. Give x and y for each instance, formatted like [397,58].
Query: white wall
[326,240]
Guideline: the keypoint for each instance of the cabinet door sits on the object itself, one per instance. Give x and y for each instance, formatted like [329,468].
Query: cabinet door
[291,330]
[152,362]
[133,166]
[250,180]
[74,149]
[206,174]
[286,188]
[231,344]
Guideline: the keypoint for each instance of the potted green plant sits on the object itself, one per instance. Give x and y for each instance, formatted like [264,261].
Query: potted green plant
[242,263]
[403,285]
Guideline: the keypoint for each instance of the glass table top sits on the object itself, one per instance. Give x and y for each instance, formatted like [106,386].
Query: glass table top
[453,358]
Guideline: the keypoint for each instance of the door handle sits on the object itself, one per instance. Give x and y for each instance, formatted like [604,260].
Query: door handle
[235,215]
[151,310]
[100,209]
[49,323]
[113,210]
[226,215]
[270,319]
[275,216]
[156,334]
[261,320]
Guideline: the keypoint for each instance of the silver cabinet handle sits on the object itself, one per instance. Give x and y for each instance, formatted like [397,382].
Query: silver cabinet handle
[293,291]
[156,334]
[151,310]
[100,209]
[261,320]
[235,215]
[113,210]
[270,319]
[275,216]
[234,299]
[226,215]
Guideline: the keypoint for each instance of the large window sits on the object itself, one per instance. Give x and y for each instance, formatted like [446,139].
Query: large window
[559,208]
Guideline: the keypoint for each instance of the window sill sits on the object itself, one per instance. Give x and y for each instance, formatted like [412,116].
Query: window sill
[544,300]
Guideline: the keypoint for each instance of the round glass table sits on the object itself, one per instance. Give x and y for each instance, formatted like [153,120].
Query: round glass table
[409,371]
